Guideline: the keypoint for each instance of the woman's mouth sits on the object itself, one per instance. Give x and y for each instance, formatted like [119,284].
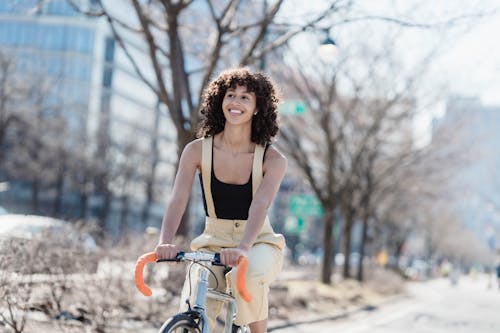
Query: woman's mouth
[235,111]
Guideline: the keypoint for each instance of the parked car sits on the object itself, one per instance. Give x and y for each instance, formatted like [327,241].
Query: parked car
[57,244]
[32,226]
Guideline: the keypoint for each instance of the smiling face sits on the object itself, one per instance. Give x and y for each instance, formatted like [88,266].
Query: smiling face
[239,105]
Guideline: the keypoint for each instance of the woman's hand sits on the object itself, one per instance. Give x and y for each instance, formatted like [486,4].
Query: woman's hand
[166,251]
[230,256]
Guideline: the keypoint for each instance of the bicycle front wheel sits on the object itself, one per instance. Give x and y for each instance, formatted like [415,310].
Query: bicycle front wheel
[181,323]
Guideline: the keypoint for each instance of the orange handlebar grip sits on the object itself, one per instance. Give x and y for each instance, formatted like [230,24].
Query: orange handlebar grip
[139,270]
[241,279]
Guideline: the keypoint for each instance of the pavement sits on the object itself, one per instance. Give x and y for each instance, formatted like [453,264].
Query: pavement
[436,306]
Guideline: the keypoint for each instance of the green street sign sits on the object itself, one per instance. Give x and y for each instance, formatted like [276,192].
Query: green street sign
[293,107]
[294,225]
[304,205]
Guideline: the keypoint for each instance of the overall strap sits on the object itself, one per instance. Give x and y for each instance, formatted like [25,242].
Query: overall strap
[258,160]
[206,174]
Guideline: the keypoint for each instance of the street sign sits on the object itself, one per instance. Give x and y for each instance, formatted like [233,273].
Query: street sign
[301,205]
[293,107]
[294,225]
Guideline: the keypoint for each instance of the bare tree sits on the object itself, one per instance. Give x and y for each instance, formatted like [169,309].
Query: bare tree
[185,47]
[353,135]
[127,175]
[11,92]
[15,296]
[341,140]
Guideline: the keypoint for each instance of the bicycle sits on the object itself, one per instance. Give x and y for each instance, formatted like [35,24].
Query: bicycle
[195,319]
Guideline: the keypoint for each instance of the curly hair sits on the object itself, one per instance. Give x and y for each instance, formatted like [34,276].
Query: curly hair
[264,123]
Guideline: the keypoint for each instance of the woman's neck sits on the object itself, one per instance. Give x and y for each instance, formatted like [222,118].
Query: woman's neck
[236,141]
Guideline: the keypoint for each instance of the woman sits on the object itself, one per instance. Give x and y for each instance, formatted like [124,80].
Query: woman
[240,173]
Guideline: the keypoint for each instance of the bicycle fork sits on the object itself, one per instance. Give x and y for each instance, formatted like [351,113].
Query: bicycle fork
[200,302]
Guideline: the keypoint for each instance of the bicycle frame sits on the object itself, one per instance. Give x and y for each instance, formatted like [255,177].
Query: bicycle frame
[202,290]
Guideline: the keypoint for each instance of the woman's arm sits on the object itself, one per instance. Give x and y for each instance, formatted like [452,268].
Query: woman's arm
[274,169]
[176,206]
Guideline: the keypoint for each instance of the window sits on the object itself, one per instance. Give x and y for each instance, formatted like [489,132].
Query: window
[109,49]
[59,7]
[12,6]
[3,32]
[53,66]
[80,39]
[26,33]
[8,33]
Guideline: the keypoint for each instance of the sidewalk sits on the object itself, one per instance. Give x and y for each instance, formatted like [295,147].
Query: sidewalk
[299,298]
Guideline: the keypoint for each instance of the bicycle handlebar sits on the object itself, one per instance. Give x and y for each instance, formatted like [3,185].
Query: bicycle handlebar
[191,256]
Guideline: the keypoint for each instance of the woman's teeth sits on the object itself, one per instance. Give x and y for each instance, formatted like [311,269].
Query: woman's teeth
[235,111]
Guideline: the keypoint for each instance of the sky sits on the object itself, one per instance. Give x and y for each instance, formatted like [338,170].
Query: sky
[468,63]
[474,63]
[471,61]
[470,67]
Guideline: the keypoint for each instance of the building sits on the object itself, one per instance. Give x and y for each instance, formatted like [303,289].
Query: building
[106,106]
[476,129]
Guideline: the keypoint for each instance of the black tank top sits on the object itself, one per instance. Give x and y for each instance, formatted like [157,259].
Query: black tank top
[231,201]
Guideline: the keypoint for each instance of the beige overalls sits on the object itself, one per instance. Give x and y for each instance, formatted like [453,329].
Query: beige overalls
[265,258]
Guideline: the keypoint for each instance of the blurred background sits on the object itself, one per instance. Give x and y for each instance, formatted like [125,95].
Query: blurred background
[389,118]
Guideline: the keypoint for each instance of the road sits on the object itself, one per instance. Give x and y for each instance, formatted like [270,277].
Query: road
[431,307]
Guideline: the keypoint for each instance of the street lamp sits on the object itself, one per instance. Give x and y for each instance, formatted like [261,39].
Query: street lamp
[328,48]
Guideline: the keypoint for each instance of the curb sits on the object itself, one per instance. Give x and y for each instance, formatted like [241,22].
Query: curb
[340,314]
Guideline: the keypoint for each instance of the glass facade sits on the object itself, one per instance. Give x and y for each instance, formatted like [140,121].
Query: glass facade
[76,65]
[58,7]
[58,52]
[18,7]
[50,7]
[55,55]
[47,37]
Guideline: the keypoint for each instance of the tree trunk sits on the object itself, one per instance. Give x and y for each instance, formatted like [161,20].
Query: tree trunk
[397,253]
[326,265]
[151,178]
[149,189]
[124,215]
[347,243]
[399,250]
[59,195]
[364,236]
[58,200]
[364,229]
[84,198]
[145,212]
[35,188]
[105,196]
[183,139]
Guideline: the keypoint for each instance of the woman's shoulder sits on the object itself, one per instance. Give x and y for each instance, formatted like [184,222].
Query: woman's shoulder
[274,157]
[192,150]
[194,145]
[273,152]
